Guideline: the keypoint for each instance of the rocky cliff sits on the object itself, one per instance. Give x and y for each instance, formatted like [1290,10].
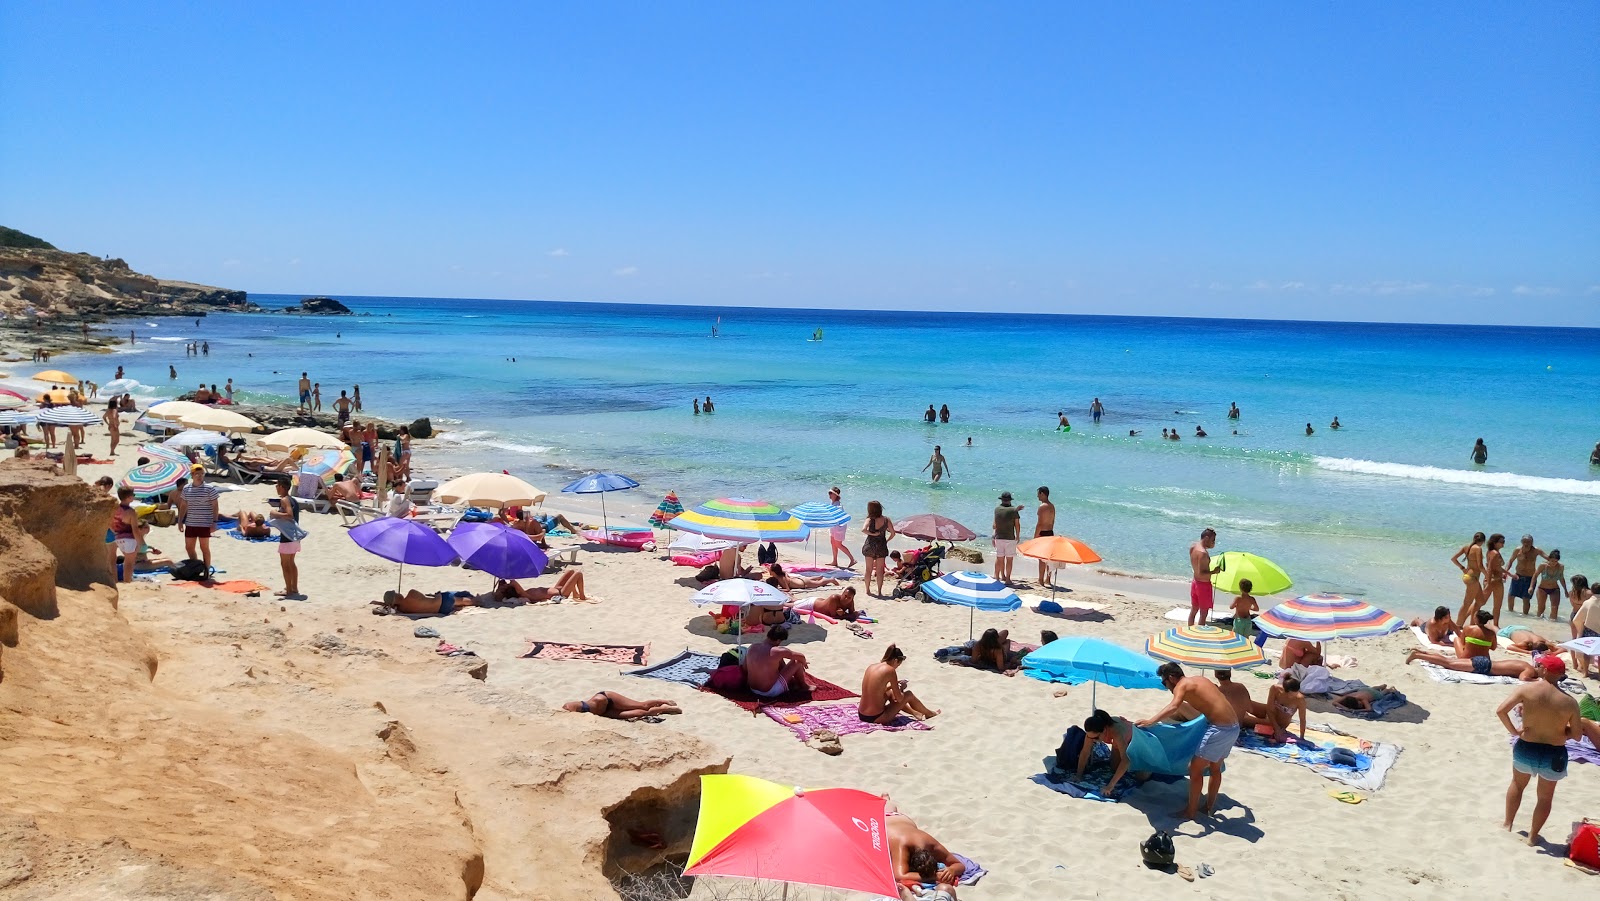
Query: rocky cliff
[61,285]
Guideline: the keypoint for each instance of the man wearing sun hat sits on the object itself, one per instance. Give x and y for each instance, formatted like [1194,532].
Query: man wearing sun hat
[1007,526]
[1549,718]
[200,515]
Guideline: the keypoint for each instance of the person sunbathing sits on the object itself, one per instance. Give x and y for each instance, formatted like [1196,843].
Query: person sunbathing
[770,669]
[611,705]
[783,581]
[1299,651]
[524,522]
[884,695]
[568,585]
[1525,640]
[841,605]
[439,603]
[1473,645]
[345,489]
[992,651]
[918,858]
[1441,629]
[253,525]
[1361,698]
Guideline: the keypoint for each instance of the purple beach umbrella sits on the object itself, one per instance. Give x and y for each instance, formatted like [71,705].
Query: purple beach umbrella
[497,550]
[403,541]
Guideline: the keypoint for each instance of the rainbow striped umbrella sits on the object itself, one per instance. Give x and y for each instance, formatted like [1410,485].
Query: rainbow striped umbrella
[741,519]
[155,477]
[1324,617]
[666,511]
[327,461]
[1207,647]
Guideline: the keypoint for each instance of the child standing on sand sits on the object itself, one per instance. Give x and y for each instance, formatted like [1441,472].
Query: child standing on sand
[1244,608]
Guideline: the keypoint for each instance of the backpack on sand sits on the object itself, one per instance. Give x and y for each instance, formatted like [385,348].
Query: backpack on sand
[189,571]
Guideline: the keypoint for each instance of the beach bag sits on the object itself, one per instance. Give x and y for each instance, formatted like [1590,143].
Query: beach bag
[189,571]
[1585,847]
[1157,850]
[727,678]
[1071,747]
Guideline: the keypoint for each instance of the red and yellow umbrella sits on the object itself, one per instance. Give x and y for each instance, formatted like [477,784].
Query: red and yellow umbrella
[754,829]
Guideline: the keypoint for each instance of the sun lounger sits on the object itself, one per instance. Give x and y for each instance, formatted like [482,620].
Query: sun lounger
[564,555]
[309,491]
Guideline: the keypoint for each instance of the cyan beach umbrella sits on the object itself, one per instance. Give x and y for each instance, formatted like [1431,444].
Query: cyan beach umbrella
[155,477]
[741,519]
[978,591]
[196,438]
[1077,659]
[819,515]
[502,552]
[403,541]
[600,483]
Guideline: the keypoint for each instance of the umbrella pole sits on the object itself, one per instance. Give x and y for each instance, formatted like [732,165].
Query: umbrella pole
[972,617]
[397,578]
[605,524]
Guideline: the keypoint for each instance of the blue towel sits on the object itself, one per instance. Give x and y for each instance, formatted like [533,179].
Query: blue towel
[235,533]
[688,668]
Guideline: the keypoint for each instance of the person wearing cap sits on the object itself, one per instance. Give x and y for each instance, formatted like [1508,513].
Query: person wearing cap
[199,514]
[1549,719]
[837,534]
[1007,526]
[1201,596]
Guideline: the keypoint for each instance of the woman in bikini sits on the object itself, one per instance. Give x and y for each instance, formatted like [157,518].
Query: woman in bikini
[884,695]
[875,548]
[1494,579]
[1473,645]
[568,585]
[1283,702]
[611,705]
[1470,561]
[1551,579]
[992,651]
[779,579]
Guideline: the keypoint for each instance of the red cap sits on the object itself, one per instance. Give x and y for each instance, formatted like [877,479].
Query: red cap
[1553,665]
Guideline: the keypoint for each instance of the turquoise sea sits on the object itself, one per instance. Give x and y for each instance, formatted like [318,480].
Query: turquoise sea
[1376,508]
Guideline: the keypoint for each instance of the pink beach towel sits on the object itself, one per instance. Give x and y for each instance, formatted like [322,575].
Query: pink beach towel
[842,719]
[628,654]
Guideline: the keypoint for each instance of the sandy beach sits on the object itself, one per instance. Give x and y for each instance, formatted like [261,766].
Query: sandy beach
[1432,831]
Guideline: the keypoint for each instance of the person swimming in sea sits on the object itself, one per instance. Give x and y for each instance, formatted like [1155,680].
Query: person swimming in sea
[1335,424]
[1480,453]
[1310,430]
[1199,432]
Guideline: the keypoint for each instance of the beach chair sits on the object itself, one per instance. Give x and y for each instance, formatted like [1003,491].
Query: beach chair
[352,514]
[563,555]
[231,469]
[310,492]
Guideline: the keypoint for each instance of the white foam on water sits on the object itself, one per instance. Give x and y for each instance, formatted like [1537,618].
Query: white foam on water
[164,338]
[1507,480]
[481,438]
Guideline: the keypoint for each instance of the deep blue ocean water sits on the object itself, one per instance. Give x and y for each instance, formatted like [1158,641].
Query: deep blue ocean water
[1376,508]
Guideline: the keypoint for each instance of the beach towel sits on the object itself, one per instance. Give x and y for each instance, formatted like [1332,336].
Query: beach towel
[815,690]
[235,533]
[232,586]
[971,872]
[688,668]
[841,719]
[826,572]
[630,654]
[1373,759]
[1440,674]
[1163,750]
[1449,650]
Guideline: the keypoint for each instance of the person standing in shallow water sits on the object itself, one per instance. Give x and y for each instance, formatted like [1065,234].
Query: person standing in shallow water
[939,463]
[697,406]
[944,412]
[1480,453]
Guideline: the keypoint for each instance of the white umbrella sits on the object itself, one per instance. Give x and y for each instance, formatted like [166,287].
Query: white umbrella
[18,417]
[699,544]
[1589,646]
[196,438]
[7,402]
[219,419]
[174,410]
[744,592]
[120,386]
[289,439]
[489,489]
[68,416]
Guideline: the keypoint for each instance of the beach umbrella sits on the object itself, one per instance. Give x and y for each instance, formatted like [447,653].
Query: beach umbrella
[699,544]
[1077,659]
[933,527]
[978,591]
[666,511]
[403,541]
[10,402]
[16,394]
[1265,576]
[749,828]
[18,417]
[69,416]
[55,376]
[158,452]
[741,519]
[741,592]
[1207,647]
[1058,549]
[489,489]
[819,515]
[174,410]
[1589,646]
[196,438]
[218,419]
[120,386]
[155,477]
[57,396]
[498,550]
[1324,617]
[327,462]
[600,483]
[289,439]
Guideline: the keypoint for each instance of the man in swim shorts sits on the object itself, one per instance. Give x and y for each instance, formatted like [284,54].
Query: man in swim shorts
[1549,719]
[1523,564]
[1221,732]
[1200,594]
[771,669]
[1007,526]
[1043,527]
[305,392]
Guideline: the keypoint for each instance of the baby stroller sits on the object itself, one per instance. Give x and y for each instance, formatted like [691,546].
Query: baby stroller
[923,568]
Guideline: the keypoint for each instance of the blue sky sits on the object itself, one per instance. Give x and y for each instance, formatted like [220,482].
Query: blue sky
[1433,162]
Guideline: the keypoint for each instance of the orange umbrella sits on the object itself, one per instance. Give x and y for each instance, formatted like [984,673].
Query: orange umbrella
[1058,549]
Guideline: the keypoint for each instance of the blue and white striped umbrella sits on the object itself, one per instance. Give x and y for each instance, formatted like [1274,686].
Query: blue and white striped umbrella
[69,416]
[819,515]
[17,417]
[969,589]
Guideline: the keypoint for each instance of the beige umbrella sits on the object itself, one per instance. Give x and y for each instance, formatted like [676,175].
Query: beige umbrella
[175,410]
[288,439]
[219,420]
[489,489]
[55,376]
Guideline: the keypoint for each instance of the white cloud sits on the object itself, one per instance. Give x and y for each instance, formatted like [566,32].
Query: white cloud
[1388,288]
[558,252]
[626,271]
[1293,286]
[1535,290]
